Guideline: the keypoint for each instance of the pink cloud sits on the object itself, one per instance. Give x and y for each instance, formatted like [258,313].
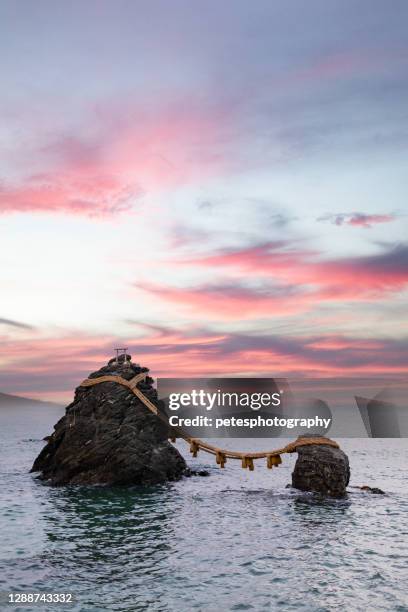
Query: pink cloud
[51,368]
[69,193]
[359,278]
[133,152]
[357,219]
[360,219]
[289,282]
[344,65]
[334,343]
[228,302]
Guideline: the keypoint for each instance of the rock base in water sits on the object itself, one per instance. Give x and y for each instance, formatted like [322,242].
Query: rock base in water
[109,437]
[322,469]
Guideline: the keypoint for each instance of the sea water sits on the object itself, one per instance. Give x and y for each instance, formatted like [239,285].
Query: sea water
[235,540]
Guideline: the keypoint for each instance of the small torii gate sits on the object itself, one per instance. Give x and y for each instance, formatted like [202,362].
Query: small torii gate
[120,352]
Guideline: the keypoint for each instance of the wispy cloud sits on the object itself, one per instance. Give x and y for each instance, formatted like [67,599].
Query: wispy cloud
[131,152]
[51,369]
[232,301]
[357,219]
[93,195]
[354,278]
[18,324]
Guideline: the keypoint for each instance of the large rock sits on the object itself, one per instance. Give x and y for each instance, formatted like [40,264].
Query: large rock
[108,436]
[323,469]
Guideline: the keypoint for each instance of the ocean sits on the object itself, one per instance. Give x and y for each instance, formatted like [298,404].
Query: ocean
[235,540]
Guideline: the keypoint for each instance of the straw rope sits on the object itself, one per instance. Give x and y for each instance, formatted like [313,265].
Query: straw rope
[272,457]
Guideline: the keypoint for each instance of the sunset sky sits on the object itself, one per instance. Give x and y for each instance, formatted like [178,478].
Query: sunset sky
[219,186]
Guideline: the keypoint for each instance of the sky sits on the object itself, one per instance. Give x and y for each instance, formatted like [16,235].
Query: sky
[219,186]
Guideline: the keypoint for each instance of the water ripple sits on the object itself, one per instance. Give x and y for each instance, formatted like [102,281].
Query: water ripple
[233,541]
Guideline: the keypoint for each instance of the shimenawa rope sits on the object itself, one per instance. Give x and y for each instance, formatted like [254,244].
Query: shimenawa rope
[272,457]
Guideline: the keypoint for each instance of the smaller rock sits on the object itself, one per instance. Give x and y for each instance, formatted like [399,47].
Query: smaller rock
[322,469]
[189,472]
[373,490]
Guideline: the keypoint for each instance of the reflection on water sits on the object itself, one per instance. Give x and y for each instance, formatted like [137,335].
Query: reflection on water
[235,540]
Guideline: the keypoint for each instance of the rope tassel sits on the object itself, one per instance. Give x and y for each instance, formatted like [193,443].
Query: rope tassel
[220,459]
[194,448]
[276,460]
[248,462]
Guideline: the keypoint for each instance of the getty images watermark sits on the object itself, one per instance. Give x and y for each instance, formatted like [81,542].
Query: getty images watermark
[207,400]
[199,398]
[237,407]
[273,407]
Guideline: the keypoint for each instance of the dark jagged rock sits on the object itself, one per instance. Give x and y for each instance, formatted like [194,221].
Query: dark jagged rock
[108,436]
[373,490]
[322,469]
[189,472]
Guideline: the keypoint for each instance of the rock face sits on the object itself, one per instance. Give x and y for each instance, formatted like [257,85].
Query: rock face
[323,469]
[108,436]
